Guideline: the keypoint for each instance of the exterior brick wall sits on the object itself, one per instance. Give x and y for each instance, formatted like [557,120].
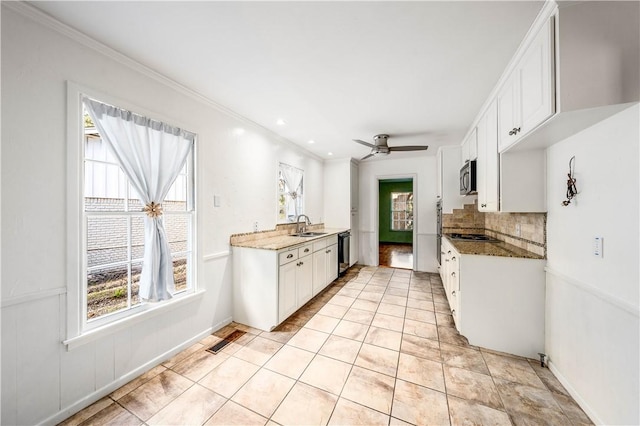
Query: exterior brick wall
[107,235]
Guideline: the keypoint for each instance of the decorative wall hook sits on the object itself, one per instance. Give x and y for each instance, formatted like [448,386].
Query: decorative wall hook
[571,183]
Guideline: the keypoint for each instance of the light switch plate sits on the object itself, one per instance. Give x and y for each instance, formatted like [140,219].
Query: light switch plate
[597,247]
[216,201]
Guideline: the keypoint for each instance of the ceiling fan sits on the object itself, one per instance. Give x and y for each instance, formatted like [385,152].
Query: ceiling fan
[380,146]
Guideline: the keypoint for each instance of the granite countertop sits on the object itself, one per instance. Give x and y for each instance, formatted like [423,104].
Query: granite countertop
[279,242]
[487,248]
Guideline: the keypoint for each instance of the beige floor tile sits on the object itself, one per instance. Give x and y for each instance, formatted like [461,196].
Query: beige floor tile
[327,374]
[390,309]
[359,316]
[397,422]
[394,300]
[341,348]
[349,292]
[307,339]
[193,407]
[296,408]
[463,412]
[547,377]
[229,376]
[384,338]
[341,300]
[196,366]
[373,288]
[351,330]
[421,371]
[264,392]
[354,285]
[421,329]
[418,405]
[236,415]
[463,357]
[365,305]
[368,388]
[335,311]
[472,386]
[389,322]
[395,291]
[350,413]
[114,415]
[420,295]
[371,296]
[258,351]
[135,383]
[88,412]
[445,320]
[290,361]
[512,369]
[425,305]
[530,405]
[322,323]
[283,333]
[571,409]
[149,398]
[451,336]
[421,315]
[210,341]
[420,347]
[441,307]
[378,359]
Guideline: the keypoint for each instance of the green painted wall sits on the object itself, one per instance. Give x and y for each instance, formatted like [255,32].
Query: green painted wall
[386,187]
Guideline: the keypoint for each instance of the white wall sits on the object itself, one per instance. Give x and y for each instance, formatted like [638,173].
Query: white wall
[41,380]
[423,169]
[592,332]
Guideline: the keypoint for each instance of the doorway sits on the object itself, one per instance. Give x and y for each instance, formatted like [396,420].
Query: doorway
[395,223]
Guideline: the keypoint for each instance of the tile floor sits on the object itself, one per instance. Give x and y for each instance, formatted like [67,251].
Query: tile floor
[375,348]
[395,255]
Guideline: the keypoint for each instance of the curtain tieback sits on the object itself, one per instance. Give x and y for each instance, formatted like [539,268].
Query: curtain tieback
[293,194]
[153,210]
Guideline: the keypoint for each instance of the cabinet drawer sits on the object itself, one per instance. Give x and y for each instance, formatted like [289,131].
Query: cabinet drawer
[320,244]
[306,249]
[332,240]
[287,256]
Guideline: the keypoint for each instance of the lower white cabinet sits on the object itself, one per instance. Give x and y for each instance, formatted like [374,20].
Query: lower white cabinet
[270,285]
[496,302]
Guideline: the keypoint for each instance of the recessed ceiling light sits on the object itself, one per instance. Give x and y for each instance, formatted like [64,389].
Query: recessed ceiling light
[281,122]
[330,153]
[311,141]
[238,131]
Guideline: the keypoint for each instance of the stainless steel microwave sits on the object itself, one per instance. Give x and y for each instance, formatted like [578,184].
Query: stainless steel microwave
[468,178]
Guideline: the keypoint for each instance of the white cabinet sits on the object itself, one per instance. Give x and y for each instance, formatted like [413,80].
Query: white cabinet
[487,167]
[287,302]
[496,302]
[325,263]
[528,98]
[448,178]
[341,199]
[469,147]
[295,280]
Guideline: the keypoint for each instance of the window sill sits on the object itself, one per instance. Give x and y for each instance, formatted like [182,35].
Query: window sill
[97,333]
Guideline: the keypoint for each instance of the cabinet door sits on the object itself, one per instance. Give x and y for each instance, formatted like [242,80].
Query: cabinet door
[332,263]
[508,112]
[304,280]
[488,165]
[536,80]
[354,187]
[287,299]
[319,279]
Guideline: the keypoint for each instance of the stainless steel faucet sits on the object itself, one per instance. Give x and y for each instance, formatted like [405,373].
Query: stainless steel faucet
[304,224]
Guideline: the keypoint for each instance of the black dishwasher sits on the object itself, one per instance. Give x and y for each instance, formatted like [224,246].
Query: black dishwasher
[343,251]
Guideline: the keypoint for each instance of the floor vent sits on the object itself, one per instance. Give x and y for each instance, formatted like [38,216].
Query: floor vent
[235,335]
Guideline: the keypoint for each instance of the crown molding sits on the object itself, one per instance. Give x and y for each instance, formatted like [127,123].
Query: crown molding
[40,17]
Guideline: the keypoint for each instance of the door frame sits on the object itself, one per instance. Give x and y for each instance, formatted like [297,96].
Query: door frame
[376,230]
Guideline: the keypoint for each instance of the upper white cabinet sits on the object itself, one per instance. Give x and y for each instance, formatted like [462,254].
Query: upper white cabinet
[488,164]
[448,173]
[527,97]
[469,147]
[341,199]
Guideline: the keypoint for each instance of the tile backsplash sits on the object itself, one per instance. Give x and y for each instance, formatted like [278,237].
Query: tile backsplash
[503,226]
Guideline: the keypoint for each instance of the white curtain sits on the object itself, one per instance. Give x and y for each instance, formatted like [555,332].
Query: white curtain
[151,154]
[293,180]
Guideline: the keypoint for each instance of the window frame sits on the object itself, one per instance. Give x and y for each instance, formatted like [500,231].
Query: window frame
[79,329]
[279,194]
[392,211]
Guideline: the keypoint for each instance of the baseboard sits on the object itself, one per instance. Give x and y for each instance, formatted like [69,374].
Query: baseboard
[576,396]
[106,390]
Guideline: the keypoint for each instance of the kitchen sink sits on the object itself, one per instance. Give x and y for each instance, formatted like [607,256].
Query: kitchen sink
[308,234]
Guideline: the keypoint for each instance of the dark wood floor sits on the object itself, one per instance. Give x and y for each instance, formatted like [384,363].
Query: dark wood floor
[396,255]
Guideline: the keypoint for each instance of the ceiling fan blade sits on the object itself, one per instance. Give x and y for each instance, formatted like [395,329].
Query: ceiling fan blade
[408,148]
[366,156]
[364,143]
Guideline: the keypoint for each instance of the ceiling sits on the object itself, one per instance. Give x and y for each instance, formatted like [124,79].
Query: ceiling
[333,71]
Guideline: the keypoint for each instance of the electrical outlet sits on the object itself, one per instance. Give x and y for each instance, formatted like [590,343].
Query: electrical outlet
[255,227]
[518,230]
[597,247]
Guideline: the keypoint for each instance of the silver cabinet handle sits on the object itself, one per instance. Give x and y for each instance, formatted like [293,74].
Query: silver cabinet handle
[483,205]
[449,252]
[290,256]
[453,258]
[306,250]
[453,293]
[453,274]
[453,311]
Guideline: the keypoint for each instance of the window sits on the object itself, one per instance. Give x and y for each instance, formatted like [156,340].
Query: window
[402,211]
[290,193]
[114,233]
